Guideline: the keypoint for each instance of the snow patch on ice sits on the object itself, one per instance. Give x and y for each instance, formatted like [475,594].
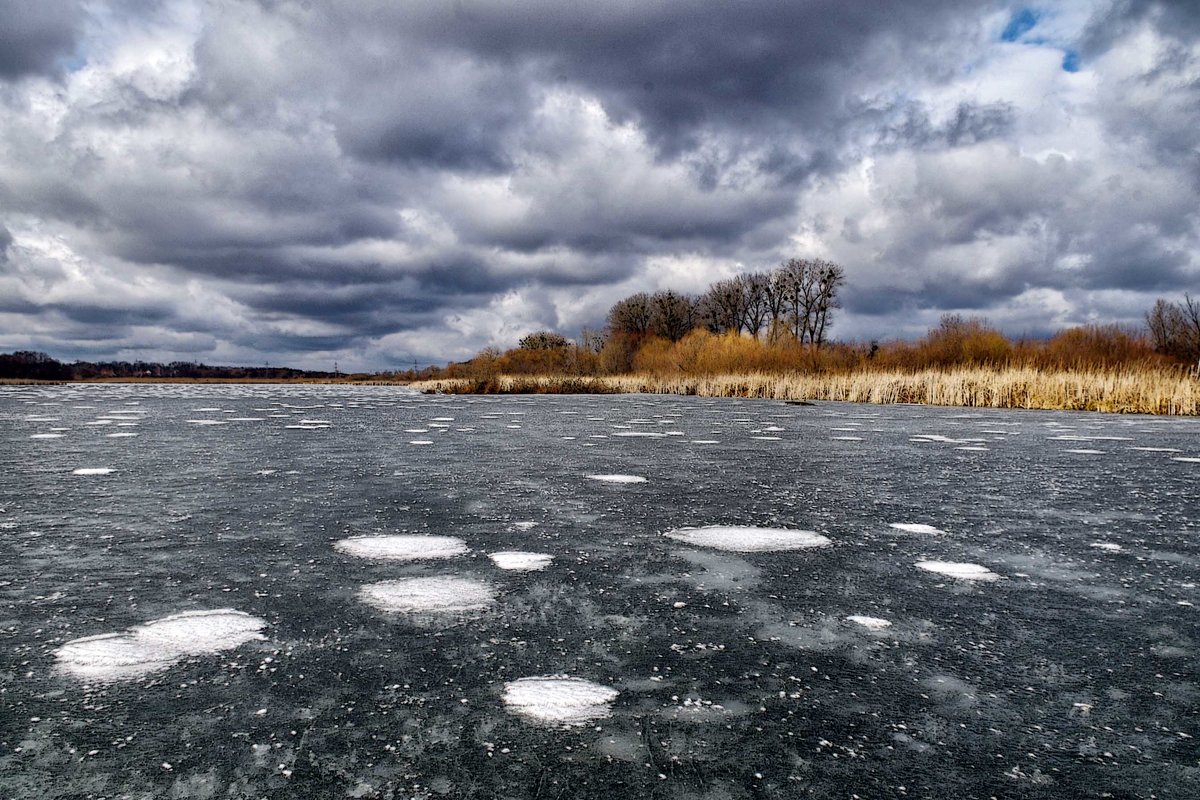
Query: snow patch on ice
[441,594]
[915,527]
[618,478]
[870,623]
[93,471]
[959,570]
[157,644]
[46,436]
[402,547]
[559,699]
[1111,547]
[521,562]
[741,539]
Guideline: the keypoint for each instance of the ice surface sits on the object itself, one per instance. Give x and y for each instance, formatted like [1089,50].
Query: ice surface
[749,540]
[442,594]
[559,699]
[519,561]
[618,478]
[871,623]
[157,644]
[915,527]
[402,547]
[959,570]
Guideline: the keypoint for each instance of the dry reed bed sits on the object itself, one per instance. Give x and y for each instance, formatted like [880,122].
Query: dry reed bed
[1141,392]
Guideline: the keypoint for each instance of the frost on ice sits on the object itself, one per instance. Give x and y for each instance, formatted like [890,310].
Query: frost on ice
[157,644]
[749,540]
[402,547]
[559,699]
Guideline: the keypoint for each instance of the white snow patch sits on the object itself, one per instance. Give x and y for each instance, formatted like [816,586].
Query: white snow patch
[846,438]
[618,478]
[1156,449]
[766,438]
[441,594]
[157,644]
[521,562]
[705,441]
[524,525]
[46,436]
[1085,452]
[402,547]
[959,570]
[559,699]
[421,441]
[93,471]
[1186,459]
[120,435]
[1111,547]
[915,527]
[741,539]
[870,623]
[640,434]
[206,422]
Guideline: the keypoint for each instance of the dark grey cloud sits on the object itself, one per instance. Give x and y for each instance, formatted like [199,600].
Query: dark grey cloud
[376,180]
[35,37]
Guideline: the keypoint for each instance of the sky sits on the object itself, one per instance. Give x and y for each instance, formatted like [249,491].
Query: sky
[382,183]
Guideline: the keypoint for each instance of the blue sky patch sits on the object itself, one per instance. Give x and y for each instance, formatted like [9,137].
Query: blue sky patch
[1021,23]
[1071,60]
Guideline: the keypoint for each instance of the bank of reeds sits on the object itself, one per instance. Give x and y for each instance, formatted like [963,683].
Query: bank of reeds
[1116,390]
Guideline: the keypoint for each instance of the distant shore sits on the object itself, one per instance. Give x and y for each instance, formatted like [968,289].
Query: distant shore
[1114,391]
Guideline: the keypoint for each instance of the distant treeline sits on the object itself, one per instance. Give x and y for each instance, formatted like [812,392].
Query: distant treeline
[777,323]
[27,365]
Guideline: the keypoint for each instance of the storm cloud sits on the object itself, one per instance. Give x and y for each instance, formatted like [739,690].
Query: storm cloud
[383,183]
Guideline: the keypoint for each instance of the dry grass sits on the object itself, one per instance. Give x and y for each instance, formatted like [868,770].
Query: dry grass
[1121,391]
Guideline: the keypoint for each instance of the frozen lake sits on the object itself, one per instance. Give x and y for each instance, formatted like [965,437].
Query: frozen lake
[321,592]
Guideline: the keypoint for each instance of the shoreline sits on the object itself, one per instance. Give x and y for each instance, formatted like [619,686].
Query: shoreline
[1108,391]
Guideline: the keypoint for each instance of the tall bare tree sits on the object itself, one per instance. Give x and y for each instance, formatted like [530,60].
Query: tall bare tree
[829,280]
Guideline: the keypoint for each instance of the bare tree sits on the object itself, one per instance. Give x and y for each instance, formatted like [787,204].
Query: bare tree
[775,297]
[721,307]
[673,315]
[756,307]
[1175,328]
[631,315]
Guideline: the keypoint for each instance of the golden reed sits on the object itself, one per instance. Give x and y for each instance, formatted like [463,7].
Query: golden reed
[1120,391]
